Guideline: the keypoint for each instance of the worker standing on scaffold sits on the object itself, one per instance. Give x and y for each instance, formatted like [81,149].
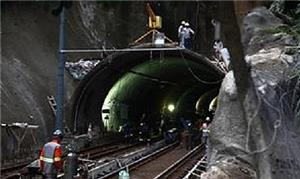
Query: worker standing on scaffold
[50,157]
[188,32]
[181,31]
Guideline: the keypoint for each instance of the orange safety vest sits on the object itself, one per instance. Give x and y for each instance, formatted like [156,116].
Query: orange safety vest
[50,158]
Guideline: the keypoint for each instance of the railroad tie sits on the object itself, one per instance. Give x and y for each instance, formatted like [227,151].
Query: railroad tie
[195,174]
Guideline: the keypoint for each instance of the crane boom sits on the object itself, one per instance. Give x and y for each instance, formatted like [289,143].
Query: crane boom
[150,12]
[154,21]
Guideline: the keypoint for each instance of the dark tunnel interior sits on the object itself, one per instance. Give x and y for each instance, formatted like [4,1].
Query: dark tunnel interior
[126,85]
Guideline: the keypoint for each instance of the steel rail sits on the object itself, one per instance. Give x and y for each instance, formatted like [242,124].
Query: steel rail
[93,152]
[141,160]
[101,153]
[196,168]
[180,162]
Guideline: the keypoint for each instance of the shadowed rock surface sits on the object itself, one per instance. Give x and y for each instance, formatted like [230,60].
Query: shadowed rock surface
[259,137]
[29,61]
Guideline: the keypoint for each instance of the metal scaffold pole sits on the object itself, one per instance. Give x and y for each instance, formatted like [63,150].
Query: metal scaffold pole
[60,73]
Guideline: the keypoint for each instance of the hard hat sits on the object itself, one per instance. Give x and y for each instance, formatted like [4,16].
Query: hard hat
[207,119]
[58,133]
[183,22]
[187,24]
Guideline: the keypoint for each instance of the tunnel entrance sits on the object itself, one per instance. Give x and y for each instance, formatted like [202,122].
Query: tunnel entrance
[128,85]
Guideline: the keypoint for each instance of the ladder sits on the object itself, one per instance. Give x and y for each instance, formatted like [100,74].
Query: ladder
[52,103]
[53,106]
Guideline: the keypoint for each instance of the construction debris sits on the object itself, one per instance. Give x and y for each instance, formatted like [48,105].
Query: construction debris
[79,69]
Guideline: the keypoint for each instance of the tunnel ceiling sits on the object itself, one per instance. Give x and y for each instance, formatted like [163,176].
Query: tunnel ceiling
[161,76]
[142,82]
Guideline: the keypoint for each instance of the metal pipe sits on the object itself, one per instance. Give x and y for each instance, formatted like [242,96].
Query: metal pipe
[119,50]
[217,29]
[60,73]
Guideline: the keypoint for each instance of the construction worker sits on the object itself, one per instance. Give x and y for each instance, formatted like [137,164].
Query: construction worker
[188,32]
[222,54]
[218,45]
[50,156]
[128,132]
[181,31]
[205,131]
[225,56]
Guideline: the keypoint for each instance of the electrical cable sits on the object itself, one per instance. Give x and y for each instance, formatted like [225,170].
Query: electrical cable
[276,125]
[195,76]
[152,78]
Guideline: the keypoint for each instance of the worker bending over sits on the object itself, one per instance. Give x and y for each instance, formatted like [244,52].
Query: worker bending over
[50,157]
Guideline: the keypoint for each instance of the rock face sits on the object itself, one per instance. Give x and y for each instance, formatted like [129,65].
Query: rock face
[258,137]
[29,37]
[257,20]
[29,62]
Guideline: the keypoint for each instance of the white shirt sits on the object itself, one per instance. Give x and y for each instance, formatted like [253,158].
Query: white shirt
[187,32]
[225,55]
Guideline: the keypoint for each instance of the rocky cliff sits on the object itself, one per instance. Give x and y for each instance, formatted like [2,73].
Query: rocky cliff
[258,136]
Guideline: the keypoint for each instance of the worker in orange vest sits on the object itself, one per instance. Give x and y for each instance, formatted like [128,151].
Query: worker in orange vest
[205,131]
[50,157]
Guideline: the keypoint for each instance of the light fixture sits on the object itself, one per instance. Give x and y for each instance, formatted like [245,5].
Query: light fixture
[171,107]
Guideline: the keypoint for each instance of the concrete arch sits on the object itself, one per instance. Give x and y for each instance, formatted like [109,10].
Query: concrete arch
[203,103]
[88,98]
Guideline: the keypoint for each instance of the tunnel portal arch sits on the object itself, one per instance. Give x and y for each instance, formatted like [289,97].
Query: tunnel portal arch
[173,73]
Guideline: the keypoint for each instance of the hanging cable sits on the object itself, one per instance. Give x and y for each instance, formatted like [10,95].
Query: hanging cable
[195,76]
[277,123]
[152,78]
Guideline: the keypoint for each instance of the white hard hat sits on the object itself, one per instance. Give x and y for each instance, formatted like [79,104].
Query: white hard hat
[58,133]
[207,119]
[183,22]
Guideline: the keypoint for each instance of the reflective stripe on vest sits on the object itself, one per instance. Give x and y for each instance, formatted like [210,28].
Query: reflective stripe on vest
[49,159]
[205,130]
[56,159]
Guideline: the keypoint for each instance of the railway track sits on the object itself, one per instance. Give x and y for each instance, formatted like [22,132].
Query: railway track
[181,167]
[197,169]
[97,153]
[91,153]
[109,156]
[169,162]
[13,171]
[136,164]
